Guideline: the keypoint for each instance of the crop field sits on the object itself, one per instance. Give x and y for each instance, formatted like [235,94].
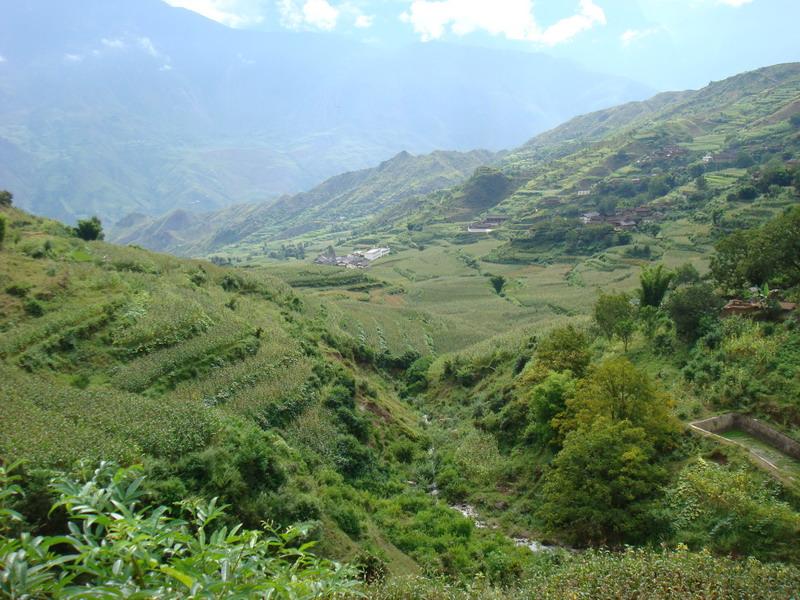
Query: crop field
[441,298]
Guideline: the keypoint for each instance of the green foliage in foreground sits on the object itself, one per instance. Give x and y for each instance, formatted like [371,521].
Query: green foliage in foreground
[117,548]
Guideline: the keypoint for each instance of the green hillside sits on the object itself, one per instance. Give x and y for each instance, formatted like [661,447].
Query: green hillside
[476,415]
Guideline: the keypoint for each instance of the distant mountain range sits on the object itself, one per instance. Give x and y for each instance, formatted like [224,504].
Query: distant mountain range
[111,107]
[545,178]
[345,199]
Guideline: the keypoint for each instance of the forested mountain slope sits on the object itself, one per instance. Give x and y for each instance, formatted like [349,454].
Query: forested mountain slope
[340,201]
[612,161]
[616,154]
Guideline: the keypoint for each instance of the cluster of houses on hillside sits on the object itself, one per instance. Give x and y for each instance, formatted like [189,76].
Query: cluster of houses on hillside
[360,259]
[488,225]
[628,219]
[664,153]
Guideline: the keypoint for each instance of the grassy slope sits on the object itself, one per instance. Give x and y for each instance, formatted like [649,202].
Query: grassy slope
[139,356]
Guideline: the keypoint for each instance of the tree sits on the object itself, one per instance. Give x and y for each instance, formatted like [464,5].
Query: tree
[769,254]
[598,487]
[743,160]
[498,283]
[614,315]
[616,390]
[686,273]
[654,283]
[547,401]
[6,198]
[625,330]
[90,229]
[728,264]
[562,349]
[701,183]
[690,307]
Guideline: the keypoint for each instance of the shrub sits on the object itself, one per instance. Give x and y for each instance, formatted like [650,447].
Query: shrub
[34,308]
[89,229]
[348,520]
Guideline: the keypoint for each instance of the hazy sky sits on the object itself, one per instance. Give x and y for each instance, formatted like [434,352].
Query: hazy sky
[668,44]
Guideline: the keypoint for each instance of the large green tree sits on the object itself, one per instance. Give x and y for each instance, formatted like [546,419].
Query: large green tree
[547,401]
[598,488]
[616,390]
[767,255]
[6,198]
[691,307]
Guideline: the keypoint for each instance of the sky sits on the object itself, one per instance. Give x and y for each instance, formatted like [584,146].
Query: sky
[667,44]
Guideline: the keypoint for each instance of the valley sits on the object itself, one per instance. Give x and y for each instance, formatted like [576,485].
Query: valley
[400,428]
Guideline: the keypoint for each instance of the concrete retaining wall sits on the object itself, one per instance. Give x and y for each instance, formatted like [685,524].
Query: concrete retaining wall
[759,430]
[768,435]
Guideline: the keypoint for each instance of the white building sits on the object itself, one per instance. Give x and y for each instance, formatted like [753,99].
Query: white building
[374,253]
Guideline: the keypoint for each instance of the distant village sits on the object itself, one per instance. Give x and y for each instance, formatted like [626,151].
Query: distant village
[360,259]
[621,221]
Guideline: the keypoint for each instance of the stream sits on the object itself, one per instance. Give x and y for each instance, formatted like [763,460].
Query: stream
[472,514]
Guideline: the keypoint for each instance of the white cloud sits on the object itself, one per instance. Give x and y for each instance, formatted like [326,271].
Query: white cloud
[633,35]
[364,21]
[113,43]
[166,67]
[513,19]
[320,13]
[312,14]
[147,45]
[2,59]
[73,58]
[233,13]
[734,3]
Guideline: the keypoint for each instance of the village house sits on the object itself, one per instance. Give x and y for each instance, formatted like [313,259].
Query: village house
[591,217]
[359,259]
[757,308]
[495,220]
[373,254]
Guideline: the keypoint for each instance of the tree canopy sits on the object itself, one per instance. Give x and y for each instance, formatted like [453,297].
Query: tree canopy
[766,255]
[90,229]
[597,489]
[616,390]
